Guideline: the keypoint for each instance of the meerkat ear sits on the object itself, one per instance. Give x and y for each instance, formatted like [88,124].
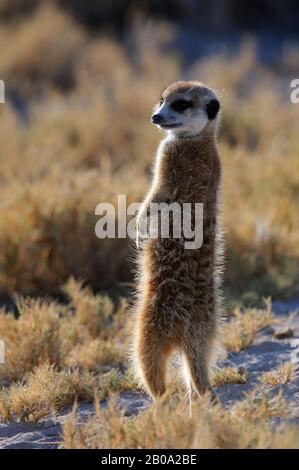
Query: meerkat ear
[212,109]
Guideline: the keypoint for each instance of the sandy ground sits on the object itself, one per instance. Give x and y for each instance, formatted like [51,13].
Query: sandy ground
[264,355]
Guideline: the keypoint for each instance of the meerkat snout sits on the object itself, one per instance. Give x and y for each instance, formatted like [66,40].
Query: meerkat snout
[157,118]
[185,110]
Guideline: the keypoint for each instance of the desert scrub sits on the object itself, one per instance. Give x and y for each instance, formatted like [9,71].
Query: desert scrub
[88,332]
[46,389]
[228,375]
[71,137]
[245,426]
[92,311]
[240,331]
[31,339]
[284,375]
[35,59]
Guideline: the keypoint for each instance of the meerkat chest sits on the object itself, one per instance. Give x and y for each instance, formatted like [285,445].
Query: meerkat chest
[186,179]
[186,170]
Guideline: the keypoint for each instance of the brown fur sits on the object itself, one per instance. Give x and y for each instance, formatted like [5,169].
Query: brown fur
[178,305]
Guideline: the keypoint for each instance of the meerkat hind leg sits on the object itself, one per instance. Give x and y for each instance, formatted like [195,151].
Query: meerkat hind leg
[196,361]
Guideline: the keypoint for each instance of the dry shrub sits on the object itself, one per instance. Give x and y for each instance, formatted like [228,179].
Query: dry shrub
[79,334]
[241,330]
[33,58]
[247,425]
[93,311]
[227,375]
[95,142]
[75,132]
[54,357]
[31,339]
[284,375]
[46,389]
[71,163]
[94,353]
[260,188]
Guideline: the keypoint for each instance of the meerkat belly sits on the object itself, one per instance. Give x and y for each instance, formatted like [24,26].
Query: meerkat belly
[179,280]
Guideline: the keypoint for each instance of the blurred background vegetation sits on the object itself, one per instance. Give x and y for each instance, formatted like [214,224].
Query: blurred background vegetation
[81,79]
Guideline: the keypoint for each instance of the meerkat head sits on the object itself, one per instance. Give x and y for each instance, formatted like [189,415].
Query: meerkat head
[186,109]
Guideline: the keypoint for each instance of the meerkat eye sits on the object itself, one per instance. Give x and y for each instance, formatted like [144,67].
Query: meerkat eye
[161,101]
[181,105]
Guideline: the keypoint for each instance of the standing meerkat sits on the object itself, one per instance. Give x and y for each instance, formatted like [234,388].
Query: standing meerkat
[178,302]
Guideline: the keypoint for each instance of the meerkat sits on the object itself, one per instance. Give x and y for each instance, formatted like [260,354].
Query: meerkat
[178,304]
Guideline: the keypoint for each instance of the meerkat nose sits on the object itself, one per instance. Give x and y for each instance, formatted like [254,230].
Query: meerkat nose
[157,118]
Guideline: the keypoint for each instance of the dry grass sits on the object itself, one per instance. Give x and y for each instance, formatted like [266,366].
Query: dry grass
[33,58]
[74,132]
[283,375]
[228,375]
[83,333]
[56,353]
[245,425]
[241,330]
[59,354]
[64,152]
[43,391]
[46,389]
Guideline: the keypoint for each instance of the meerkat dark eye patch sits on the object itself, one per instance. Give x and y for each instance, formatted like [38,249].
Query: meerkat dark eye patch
[212,109]
[181,105]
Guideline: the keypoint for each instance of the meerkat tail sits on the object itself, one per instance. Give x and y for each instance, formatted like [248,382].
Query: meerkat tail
[150,358]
